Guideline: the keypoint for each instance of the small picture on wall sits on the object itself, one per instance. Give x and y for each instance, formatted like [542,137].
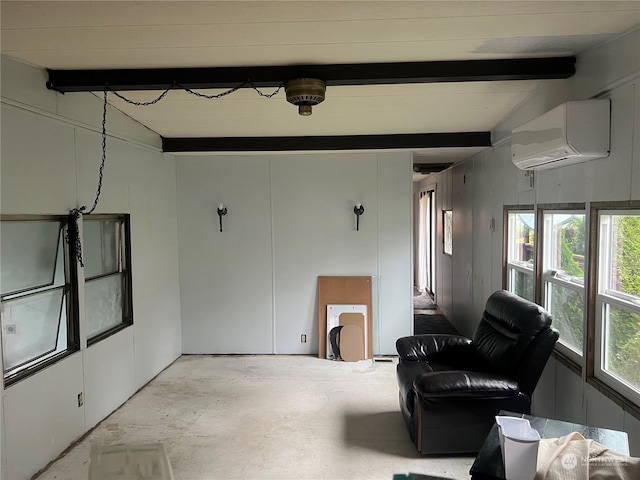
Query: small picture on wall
[447,221]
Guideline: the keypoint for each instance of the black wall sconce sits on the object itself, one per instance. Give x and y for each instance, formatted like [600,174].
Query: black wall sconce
[222,211]
[358,210]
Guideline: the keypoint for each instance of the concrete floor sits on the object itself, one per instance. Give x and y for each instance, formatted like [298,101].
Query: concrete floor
[267,417]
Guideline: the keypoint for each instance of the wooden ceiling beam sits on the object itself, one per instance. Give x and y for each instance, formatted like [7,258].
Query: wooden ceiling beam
[334,75]
[320,143]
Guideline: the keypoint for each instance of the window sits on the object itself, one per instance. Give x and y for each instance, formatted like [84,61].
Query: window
[38,304]
[447,238]
[563,274]
[107,275]
[520,243]
[617,305]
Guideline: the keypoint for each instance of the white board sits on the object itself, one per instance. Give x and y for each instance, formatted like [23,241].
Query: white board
[333,320]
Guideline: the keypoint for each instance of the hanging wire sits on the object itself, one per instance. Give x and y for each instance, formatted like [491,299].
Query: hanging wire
[190,91]
[266,95]
[76,213]
[141,104]
[215,96]
[104,153]
[235,89]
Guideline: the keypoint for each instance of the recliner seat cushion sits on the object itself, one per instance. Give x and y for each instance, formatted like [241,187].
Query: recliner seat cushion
[463,383]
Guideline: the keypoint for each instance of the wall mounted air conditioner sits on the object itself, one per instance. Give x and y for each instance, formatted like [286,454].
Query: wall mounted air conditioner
[570,133]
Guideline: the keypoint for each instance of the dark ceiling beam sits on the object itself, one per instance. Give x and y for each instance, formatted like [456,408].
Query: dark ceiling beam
[430,167]
[339,142]
[334,75]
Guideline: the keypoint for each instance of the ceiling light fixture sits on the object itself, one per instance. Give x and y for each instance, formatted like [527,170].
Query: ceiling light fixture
[305,93]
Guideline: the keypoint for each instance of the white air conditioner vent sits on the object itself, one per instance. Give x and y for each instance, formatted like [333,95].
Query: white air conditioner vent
[570,133]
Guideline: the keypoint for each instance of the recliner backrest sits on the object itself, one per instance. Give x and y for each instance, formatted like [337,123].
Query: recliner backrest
[507,336]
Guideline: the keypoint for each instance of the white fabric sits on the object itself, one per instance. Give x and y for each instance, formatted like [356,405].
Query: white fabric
[573,457]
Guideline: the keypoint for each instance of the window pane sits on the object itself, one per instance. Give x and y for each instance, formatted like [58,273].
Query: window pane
[103,304]
[521,238]
[566,308]
[622,344]
[30,326]
[564,245]
[28,252]
[522,284]
[623,236]
[101,247]
[563,273]
[448,232]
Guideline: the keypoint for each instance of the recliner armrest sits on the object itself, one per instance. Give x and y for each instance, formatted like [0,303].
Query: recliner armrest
[463,383]
[422,348]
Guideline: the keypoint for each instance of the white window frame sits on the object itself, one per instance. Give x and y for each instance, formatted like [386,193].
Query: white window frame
[606,296]
[512,266]
[123,271]
[548,278]
[70,329]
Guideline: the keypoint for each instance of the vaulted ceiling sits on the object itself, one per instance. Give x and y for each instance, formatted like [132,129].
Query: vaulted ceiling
[104,36]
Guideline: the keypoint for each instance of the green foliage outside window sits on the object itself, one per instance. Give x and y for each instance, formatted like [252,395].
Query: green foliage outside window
[574,234]
[522,285]
[572,244]
[567,304]
[624,326]
[568,316]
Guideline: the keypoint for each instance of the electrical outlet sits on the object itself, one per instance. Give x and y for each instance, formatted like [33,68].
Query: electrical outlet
[303,338]
[80,399]
[10,329]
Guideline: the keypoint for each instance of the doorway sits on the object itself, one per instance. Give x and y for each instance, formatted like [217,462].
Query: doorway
[426,233]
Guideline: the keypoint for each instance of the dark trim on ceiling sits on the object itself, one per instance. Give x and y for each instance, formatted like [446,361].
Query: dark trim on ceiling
[430,167]
[334,75]
[338,142]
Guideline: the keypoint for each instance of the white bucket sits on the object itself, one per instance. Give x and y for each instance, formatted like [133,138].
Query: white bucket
[519,446]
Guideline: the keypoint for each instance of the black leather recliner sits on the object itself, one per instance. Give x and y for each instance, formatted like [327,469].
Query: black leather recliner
[451,387]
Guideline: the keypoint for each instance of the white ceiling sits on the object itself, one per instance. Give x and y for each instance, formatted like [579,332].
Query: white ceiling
[155,34]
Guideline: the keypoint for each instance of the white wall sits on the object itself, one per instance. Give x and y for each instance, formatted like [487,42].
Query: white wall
[612,71]
[253,287]
[51,151]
